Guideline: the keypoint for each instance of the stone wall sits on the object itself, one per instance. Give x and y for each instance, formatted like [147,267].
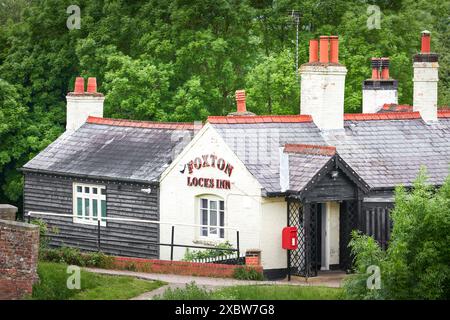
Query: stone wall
[19,245]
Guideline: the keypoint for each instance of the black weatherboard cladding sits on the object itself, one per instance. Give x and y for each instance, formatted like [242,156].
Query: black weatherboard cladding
[53,194]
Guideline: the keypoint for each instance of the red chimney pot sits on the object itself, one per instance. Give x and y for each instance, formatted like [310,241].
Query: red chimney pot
[375,68]
[385,68]
[240,101]
[92,85]
[426,41]
[324,49]
[79,85]
[313,50]
[334,49]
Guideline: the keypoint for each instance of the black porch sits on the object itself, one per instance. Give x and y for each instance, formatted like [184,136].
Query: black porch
[334,184]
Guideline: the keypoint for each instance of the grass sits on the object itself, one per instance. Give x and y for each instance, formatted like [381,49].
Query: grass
[254,292]
[53,278]
[270,292]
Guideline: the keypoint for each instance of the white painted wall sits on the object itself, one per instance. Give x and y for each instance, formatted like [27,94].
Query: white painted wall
[322,94]
[333,214]
[179,203]
[330,234]
[373,100]
[79,108]
[426,89]
[274,219]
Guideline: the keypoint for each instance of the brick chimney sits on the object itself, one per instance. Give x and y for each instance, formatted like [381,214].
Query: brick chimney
[323,84]
[241,109]
[426,79]
[380,89]
[82,104]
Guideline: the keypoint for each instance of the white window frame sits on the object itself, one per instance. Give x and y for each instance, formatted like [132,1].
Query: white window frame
[219,233]
[90,196]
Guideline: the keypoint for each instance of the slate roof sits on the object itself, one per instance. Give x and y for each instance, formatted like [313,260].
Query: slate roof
[114,149]
[387,153]
[258,145]
[303,167]
[385,149]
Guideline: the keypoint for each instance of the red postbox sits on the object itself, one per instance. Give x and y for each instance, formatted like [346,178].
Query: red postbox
[289,238]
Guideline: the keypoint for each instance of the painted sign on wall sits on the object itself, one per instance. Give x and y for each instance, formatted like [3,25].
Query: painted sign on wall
[208,161]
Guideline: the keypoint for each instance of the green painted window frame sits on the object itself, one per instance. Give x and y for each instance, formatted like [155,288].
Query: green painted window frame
[89,203]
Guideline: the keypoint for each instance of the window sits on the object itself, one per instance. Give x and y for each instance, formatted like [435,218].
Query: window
[89,204]
[212,217]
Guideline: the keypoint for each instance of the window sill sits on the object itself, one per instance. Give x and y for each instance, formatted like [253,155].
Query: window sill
[89,222]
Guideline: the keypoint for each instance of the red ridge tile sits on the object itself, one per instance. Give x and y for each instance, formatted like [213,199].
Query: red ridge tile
[259,119]
[141,124]
[381,116]
[310,149]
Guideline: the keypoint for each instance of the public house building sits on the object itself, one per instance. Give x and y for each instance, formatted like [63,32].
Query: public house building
[323,171]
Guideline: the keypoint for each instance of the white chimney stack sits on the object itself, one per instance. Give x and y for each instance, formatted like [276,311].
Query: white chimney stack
[426,79]
[323,84]
[380,89]
[81,104]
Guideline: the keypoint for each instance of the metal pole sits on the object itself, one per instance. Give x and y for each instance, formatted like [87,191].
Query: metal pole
[98,235]
[29,217]
[171,243]
[237,245]
[289,264]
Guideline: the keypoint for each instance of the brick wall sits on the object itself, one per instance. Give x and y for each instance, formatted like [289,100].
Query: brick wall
[19,244]
[177,267]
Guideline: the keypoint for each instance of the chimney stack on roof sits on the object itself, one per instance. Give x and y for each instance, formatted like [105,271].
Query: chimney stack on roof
[81,104]
[240,101]
[380,89]
[426,79]
[323,84]
[241,109]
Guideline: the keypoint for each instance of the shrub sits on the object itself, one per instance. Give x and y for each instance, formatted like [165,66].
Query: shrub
[43,230]
[74,256]
[190,292]
[247,273]
[367,252]
[208,253]
[416,264]
[98,260]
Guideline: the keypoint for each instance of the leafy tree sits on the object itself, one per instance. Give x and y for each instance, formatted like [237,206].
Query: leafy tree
[183,60]
[272,86]
[135,89]
[416,264]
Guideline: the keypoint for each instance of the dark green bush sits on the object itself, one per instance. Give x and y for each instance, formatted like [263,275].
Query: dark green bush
[416,264]
[74,256]
[208,253]
[247,273]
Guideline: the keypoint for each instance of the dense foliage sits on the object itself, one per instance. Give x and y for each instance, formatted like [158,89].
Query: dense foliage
[416,264]
[182,60]
[198,255]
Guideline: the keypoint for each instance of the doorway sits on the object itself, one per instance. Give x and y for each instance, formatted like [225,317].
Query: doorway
[329,224]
